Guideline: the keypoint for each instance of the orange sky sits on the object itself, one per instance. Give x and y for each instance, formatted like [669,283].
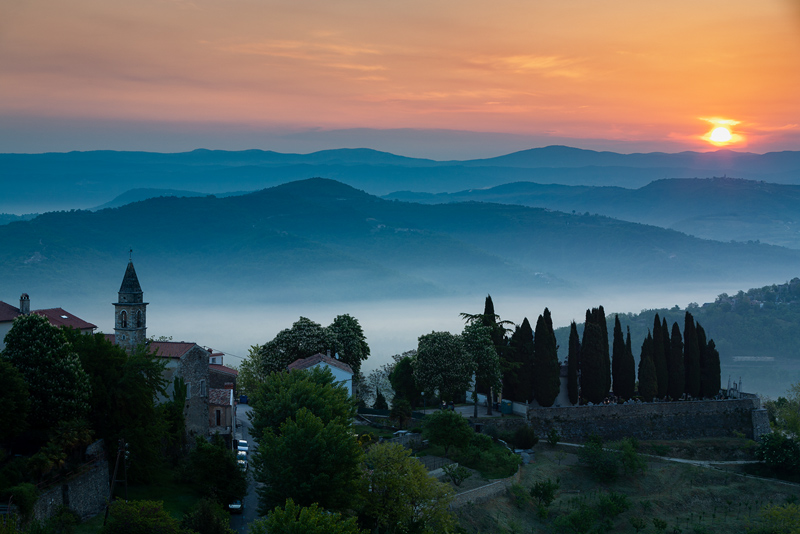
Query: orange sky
[622,71]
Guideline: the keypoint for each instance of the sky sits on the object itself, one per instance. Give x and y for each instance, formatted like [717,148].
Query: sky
[448,79]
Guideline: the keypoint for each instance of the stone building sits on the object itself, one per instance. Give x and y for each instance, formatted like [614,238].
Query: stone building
[130,314]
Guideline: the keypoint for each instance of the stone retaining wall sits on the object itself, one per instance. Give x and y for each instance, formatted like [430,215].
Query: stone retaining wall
[85,494]
[484,493]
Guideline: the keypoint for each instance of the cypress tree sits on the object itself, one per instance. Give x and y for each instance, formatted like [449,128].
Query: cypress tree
[518,377]
[691,357]
[677,374]
[665,340]
[618,353]
[627,370]
[601,322]
[546,380]
[573,362]
[713,369]
[591,379]
[659,359]
[648,381]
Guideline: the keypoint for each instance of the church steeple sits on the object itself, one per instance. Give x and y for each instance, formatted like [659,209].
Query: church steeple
[130,318]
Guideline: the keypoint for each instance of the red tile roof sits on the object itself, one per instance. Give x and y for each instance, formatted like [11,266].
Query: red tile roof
[220,397]
[59,317]
[222,369]
[56,316]
[311,361]
[170,349]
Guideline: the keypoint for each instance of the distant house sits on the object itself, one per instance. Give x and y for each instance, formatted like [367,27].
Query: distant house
[57,317]
[219,376]
[221,414]
[341,371]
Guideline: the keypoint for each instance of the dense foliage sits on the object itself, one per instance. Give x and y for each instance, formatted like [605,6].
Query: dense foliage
[546,367]
[295,519]
[443,364]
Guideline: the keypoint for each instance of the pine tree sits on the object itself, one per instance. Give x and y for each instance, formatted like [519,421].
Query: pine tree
[691,357]
[648,381]
[592,379]
[617,355]
[546,380]
[677,373]
[627,371]
[659,359]
[518,379]
[573,363]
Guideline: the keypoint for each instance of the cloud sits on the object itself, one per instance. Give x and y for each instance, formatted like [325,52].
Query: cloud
[545,65]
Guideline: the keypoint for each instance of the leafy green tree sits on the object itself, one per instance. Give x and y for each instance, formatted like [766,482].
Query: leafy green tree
[141,517]
[498,332]
[648,381]
[778,519]
[544,492]
[14,399]
[786,416]
[573,362]
[677,373]
[122,402]
[481,350]
[443,364]
[207,517]
[660,359]
[59,387]
[400,497]
[294,519]
[592,377]
[172,414]
[305,338]
[779,452]
[215,471]
[282,394]
[401,412]
[309,461]
[348,341]
[448,429]
[547,370]
[403,383]
[252,371]
[603,465]
[380,401]
[691,356]
[518,377]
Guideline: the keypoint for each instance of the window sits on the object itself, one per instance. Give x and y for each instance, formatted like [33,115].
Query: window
[139,319]
[202,388]
[188,391]
[219,417]
[123,319]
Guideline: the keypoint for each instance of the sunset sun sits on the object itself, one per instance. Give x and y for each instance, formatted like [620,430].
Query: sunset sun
[720,135]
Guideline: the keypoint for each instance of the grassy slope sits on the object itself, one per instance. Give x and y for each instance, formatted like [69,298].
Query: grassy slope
[693,499]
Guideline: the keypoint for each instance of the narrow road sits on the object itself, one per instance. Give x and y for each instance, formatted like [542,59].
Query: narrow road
[240,523]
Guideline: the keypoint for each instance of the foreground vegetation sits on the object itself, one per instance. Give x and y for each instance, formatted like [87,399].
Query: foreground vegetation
[665,497]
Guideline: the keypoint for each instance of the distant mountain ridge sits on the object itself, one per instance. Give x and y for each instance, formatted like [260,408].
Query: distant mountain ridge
[319,239]
[722,209]
[55,181]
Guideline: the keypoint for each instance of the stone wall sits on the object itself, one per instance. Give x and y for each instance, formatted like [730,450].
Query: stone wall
[647,421]
[85,494]
[484,493]
[193,369]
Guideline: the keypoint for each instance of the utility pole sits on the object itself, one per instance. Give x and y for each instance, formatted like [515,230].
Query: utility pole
[122,452]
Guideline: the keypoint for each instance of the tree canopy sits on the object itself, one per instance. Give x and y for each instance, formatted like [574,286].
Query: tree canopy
[443,364]
[448,429]
[295,519]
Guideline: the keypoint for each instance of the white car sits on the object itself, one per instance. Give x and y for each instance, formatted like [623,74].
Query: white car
[242,447]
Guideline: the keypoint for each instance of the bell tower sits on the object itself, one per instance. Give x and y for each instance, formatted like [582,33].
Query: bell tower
[130,317]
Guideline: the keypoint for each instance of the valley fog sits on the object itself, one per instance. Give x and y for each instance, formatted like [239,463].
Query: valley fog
[393,326]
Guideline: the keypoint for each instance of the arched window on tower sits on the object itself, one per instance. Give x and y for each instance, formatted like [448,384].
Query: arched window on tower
[139,319]
[123,319]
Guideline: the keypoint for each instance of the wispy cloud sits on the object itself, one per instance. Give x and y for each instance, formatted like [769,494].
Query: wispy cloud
[545,65]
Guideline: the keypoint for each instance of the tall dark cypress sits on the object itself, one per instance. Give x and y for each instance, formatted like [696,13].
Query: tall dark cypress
[592,380]
[706,382]
[627,371]
[489,318]
[648,381]
[573,362]
[713,368]
[677,374]
[546,379]
[665,341]
[691,357]
[617,354]
[601,322]
[518,377]
[659,359]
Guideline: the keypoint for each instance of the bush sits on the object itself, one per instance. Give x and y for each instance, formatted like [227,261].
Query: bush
[544,492]
[525,438]
[519,496]
[553,437]
[779,452]
[24,497]
[632,462]
[456,473]
[612,504]
[481,442]
[603,465]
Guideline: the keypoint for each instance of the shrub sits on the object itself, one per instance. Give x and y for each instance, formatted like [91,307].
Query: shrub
[779,452]
[519,496]
[603,465]
[525,437]
[544,492]
[25,496]
[456,473]
[632,462]
[481,442]
[612,504]
[553,437]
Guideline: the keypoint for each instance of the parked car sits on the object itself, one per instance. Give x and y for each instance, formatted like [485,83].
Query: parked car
[236,507]
[242,446]
[241,459]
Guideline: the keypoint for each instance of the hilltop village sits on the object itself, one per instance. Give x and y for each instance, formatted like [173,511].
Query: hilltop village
[296,438]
